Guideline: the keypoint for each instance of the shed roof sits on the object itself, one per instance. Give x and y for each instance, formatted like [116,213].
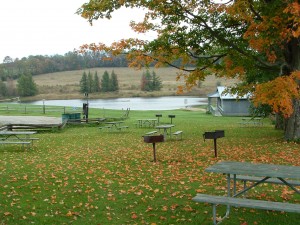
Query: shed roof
[220,93]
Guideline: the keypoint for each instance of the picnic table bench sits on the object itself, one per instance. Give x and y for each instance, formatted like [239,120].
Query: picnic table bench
[122,127]
[178,133]
[23,143]
[246,203]
[31,139]
[258,174]
[151,132]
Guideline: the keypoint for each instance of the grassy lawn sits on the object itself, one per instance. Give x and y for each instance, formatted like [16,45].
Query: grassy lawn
[83,175]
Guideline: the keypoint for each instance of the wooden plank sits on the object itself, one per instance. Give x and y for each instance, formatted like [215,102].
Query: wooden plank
[270,180]
[14,142]
[248,203]
[122,127]
[259,170]
[30,138]
[151,132]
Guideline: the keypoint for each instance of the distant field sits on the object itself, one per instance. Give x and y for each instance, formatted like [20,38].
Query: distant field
[66,84]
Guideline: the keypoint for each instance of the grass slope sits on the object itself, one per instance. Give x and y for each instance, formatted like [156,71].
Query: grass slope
[65,85]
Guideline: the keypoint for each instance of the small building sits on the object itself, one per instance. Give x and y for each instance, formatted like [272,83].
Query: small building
[222,103]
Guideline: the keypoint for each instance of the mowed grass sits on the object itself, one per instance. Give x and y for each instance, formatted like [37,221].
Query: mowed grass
[83,175]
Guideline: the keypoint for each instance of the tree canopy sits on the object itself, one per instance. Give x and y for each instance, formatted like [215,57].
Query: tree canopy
[256,41]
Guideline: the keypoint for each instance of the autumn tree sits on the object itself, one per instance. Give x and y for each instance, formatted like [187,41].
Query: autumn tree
[256,41]
[11,87]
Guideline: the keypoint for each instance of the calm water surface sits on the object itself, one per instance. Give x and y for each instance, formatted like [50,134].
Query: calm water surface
[159,103]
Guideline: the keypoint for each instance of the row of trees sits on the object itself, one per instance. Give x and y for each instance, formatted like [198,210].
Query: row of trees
[14,68]
[92,84]
[25,87]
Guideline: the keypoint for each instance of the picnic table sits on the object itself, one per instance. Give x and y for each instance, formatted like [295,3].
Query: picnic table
[166,127]
[147,122]
[256,121]
[17,137]
[114,125]
[257,174]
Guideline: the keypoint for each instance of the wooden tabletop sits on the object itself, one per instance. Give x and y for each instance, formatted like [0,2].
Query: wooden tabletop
[251,169]
[164,126]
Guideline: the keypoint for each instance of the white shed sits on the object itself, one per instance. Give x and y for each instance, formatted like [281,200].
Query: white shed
[221,103]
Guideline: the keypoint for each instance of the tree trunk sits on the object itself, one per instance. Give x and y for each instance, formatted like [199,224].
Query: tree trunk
[292,57]
[292,131]
[280,122]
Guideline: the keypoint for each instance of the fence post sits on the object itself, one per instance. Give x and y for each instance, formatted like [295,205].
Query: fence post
[44,109]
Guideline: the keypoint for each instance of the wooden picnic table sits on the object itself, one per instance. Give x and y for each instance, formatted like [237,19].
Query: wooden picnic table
[256,121]
[166,127]
[16,137]
[147,122]
[114,125]
[263,173]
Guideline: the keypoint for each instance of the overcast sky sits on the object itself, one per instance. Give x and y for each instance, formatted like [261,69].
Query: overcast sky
[48,27]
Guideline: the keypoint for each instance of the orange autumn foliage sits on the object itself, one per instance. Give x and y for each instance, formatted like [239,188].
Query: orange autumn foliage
[279,93]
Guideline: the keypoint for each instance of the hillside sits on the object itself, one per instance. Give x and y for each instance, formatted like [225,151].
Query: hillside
[65,85]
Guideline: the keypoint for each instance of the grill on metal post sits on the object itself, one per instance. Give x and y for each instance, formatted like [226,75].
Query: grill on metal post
[214,135]
[154,139]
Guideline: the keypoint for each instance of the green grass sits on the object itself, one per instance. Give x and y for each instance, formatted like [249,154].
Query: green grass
[83,175]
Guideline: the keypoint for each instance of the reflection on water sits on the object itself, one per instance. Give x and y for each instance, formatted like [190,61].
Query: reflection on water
[159,103]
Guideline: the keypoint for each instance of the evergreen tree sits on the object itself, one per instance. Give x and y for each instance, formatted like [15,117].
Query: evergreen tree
[26,85]
[156,82]
[96,87]
[114,82]
[105,82]
[83,83]
[90,82]
[147,81]
[150,82]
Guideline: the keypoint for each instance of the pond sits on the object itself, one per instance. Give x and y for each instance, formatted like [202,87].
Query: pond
[153,103]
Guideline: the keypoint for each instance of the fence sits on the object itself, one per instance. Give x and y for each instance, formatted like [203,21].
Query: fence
[20,108]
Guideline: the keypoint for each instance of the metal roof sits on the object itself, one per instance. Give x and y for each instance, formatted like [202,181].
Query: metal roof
[220,93]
